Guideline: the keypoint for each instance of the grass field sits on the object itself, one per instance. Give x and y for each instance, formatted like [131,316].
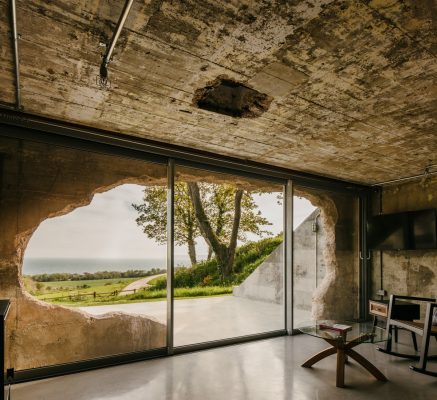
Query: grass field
[201,280]
[81,293]
[50,290]
[145,295]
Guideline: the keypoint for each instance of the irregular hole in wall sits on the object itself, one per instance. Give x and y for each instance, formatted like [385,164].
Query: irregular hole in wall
[228,97]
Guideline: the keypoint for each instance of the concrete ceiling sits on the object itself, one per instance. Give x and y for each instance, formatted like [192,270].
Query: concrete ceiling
[353,83]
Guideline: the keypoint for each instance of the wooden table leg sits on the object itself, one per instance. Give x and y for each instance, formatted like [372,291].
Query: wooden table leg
[341,358]
[344,350]
[319,356]
[366,364]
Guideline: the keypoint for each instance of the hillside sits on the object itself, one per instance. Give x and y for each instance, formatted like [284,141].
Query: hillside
[248,257]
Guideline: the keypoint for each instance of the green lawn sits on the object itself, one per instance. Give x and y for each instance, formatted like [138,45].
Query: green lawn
[143,295]
[50,290]
[81,293]
[201,280]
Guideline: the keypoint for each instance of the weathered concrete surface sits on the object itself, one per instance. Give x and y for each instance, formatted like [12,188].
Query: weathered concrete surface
[336,296]
[309,264]
[266,283]
[412,272]
[352,82]
[325,262]
[38,182]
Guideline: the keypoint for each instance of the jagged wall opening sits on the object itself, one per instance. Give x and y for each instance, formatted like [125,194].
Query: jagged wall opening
[336,296]
[41,181]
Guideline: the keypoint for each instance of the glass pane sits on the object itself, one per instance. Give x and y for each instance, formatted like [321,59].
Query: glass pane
[77,258]
[325,255]
[228,256]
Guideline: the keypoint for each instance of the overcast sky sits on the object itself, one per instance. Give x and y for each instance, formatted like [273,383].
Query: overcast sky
[106,228]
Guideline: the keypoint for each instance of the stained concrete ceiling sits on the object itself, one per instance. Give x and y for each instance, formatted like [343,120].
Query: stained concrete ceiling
[352,83]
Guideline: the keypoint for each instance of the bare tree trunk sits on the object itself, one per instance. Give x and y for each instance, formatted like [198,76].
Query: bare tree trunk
[209,253]
[234,235]
[192,251]
[225,254]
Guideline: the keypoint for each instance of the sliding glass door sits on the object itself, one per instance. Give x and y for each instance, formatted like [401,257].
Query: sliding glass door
[80,256]
[85,245]
[229,269]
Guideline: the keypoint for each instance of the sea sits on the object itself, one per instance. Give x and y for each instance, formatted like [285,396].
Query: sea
[36,266]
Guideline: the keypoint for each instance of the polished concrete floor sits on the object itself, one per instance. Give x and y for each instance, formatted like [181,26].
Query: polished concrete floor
[263,370]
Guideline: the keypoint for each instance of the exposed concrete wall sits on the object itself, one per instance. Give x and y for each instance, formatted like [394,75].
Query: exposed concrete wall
[337,295]
[39,182]
[411,272]
[309,264]
[266,283]
[332,251]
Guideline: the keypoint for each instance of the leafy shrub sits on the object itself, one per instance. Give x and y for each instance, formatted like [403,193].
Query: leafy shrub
[181,292]
[207,273]
[207,280]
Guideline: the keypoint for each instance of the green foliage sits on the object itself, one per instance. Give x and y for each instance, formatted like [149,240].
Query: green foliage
[207,273]
[218,201]
[153,214]
[87,276]
[182,292]
[81,300]
[72,288]
[204,279]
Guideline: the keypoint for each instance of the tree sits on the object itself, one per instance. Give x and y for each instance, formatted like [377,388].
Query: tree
[225,253]
[153,217]
[220,213]
[219,206]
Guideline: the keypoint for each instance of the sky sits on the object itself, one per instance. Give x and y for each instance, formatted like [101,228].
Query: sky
[106,228]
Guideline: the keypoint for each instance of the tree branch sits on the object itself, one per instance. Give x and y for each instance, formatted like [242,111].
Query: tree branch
[204,224]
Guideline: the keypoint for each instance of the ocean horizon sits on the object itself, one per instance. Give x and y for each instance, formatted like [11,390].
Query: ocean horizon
[36,266]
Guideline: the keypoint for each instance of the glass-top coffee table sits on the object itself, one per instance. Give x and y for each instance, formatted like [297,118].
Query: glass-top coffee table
[342,341]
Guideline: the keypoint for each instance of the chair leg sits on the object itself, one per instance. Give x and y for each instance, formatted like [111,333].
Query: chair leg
[424,348]
[387,347]
[413,336]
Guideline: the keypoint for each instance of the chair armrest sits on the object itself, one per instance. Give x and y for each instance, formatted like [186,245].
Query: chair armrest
[427,299]
[392,303]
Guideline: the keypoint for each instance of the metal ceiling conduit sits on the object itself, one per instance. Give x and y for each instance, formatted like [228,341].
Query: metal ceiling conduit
[430,171]
[13,15]
[107,57]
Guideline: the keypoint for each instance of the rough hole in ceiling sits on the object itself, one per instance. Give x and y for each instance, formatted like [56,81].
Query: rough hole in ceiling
[228,97]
